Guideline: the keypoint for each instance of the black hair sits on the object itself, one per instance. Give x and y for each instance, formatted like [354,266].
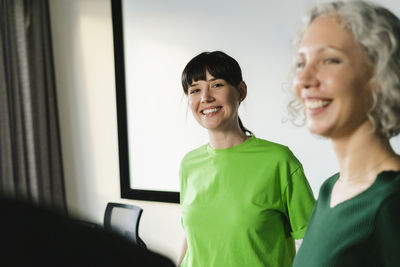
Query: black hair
[220,66]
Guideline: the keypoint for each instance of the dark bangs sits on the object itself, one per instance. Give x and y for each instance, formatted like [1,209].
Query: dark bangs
[217,63]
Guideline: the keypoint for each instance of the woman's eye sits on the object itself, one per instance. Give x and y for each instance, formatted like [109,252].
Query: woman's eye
[193,91]
[300,65]
[332,60]
[217,85]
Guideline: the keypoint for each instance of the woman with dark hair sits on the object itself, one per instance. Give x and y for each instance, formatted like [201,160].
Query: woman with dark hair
[347,81]
[244,200]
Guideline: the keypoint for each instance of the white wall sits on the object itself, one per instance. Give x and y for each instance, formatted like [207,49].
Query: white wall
[84,62]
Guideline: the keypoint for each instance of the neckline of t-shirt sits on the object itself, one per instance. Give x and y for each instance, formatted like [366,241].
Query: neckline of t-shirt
[378,179]
[214,151]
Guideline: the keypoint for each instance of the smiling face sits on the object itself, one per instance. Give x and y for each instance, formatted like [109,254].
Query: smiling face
[332,79]
[214,103]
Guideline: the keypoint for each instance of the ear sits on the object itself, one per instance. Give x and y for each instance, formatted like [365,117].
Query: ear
[242,91]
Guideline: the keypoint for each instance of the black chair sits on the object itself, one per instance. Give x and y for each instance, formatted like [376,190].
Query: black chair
[124,219]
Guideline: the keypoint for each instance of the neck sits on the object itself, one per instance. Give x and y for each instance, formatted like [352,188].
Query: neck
[362,154]
[225,139]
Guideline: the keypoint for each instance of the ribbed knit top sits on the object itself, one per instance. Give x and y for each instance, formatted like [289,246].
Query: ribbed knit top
[362,231]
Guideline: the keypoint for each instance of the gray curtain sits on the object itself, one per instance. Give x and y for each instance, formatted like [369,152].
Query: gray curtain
[30,150]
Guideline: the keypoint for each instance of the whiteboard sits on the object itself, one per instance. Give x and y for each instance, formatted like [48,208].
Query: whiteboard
[160,37]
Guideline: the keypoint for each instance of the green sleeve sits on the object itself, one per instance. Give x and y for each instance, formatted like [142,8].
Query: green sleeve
[300,201]
[387,232]
[181,193]
[181,186]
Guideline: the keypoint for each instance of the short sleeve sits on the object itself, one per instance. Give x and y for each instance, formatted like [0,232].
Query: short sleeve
[181,183]
[300,201]
[387,232]
[182,188]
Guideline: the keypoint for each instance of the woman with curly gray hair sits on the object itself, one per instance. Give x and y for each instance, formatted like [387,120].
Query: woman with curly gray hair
[347,82]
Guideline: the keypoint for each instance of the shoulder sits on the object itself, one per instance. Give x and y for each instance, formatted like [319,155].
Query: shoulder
[389,190]
[390,181]
[262,143]
[385,187]
[193,159]
[281,159]
[326,187]
[199,152]
[276,150]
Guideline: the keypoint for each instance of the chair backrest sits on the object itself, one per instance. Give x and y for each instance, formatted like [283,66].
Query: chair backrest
[124,220]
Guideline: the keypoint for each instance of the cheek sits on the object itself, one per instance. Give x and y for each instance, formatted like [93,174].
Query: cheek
[331,75]
[296,87]
[232,97]
[341,80]
[341,85]
[350,93]
[192,105]
[297,91]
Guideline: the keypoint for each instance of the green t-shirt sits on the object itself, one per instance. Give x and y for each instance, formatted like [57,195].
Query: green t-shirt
[243,205]
[360,232]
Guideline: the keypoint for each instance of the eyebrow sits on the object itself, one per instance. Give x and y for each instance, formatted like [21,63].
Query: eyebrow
[193,85]
[327,47]
[210,80]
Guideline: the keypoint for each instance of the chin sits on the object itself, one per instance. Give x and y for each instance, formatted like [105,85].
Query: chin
[210,127]
[319,130]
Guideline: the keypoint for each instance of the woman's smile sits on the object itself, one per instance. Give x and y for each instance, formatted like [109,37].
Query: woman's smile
[315,105]
[210,111]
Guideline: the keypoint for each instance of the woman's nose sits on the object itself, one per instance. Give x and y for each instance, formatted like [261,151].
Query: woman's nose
[307,77]
[206,96]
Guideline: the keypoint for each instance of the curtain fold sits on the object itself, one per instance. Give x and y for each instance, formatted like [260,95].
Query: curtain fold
[30,150]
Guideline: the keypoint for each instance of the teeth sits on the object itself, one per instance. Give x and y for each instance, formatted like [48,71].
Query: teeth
[211,110]
[314,104]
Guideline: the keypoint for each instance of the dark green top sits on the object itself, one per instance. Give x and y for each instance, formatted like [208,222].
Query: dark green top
[362,231]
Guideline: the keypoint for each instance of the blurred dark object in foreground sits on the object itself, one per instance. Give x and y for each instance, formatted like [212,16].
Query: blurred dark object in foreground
[33,236]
